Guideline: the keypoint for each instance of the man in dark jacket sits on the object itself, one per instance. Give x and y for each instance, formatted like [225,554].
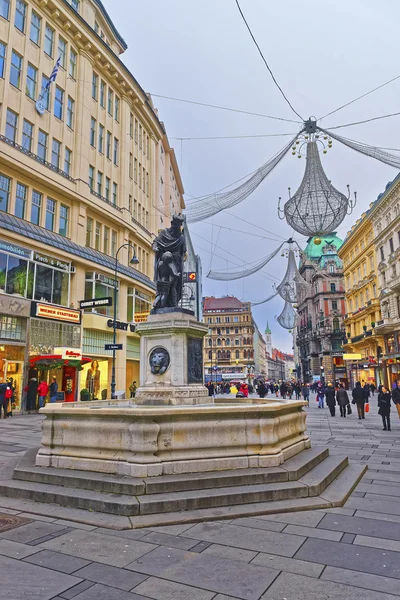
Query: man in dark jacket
[342,399]
[3,399]
[396,397]
[330,398]
[359,398]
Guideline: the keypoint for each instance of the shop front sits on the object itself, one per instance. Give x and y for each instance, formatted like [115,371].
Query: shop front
[392,357]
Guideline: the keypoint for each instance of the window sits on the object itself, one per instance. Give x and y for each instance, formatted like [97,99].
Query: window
[106,240]
[50,212]
[91,178]
[135,214]
[236,319]
[334,305]
[333,287]
[45,92]
[116,109]
[20,200]
[70,112]
[101,138]
[11,125]
[136,131]
[140,175]
[116,151]
[107,189]
[75,4]
[382,253]
[96,27]
[147,184]
[59,103]
[89,232]
[5,9]
[5,187]
[140,137]
[108,147]
[130,165]
[36,24]
[27,136]
[36,207]
[68,161]
[72,63]
[99,183]
[42,145]
[367,294]
[131,125]
[49,41]
[31,81]
[56,153]
[135,170]
[110,102]
[391,246]
[97,236]
[16,69]
[3,48]
[113,243]
[115,194]
[95,85]
[93,132]
[62,52]
[64,218]
[20,15]
[102,94]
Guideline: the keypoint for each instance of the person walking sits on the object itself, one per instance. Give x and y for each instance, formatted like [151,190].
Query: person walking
[320,397]
[42,390]
[53,389]
[359,399]
[262,389]
[306,393]
[396,397]
[342,398]
[3,400]
[372,388]
[330,398]
[384,398]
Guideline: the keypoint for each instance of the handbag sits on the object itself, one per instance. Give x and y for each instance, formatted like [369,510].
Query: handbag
[349,410]
[367,407]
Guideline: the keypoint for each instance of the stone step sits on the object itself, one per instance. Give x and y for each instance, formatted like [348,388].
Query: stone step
[323,474]
[211,498]
[117,504]
[337,492]
[302,463]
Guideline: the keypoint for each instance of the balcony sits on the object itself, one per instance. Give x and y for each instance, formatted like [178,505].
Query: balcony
[357,338]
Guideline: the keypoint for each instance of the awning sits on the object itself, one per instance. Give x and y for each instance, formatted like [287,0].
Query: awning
[46,359]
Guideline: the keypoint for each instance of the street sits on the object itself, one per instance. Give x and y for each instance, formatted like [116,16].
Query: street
[350,552]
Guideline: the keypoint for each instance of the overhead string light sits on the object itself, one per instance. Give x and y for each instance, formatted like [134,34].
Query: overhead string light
[231,276]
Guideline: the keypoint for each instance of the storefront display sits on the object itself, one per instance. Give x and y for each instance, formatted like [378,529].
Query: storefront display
[94,380]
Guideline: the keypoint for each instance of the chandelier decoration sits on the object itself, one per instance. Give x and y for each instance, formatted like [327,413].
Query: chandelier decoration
[288,317]
[292,284]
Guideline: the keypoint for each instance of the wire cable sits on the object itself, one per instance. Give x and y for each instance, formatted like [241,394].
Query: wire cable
[232,137]
[365,121]
[265,61]
[359,97]
[245,112]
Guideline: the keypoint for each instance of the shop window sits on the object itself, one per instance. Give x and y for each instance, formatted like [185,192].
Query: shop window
[99,286]
[12,328]
[16,275]
[139,305]
[51,285]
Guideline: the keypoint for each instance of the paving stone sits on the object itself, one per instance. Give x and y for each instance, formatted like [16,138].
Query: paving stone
[376,542]
[322,534]
[22,581]
[31,531]
[129,534]
[365,514]
[294,587]
[340,511]
[200,547]
[307,518]
[172,529]
[259,524]
[57,561]
[246,582]
[360,526]
[77,589]
[348,538]
[249,539]
[229,552]
[160,589]
[74,524]
[374,505]
[291,565]
[112,576]
[379,488]
[362,580]
[100,548]
[366,560]
[104,592]
[15,550]
[173,541]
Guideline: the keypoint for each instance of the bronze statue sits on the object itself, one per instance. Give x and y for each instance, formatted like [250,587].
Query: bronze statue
[170,254]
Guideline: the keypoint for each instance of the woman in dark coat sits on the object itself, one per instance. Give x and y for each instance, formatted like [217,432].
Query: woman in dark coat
[384,397]
[342,399]
[330,398]
[31,394]
[262,389]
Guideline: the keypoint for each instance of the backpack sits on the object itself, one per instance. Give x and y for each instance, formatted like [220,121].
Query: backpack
[8,393]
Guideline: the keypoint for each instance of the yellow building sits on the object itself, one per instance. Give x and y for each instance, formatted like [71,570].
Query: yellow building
[80,179]
[362,302]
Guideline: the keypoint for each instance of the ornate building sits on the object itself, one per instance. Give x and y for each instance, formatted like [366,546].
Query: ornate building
[321,308]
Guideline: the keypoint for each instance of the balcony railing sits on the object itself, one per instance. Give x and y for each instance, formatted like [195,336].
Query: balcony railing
[140,225]
[357,338]
[105,200]
[20,148]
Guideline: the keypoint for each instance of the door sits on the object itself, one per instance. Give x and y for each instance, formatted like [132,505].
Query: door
[14,374]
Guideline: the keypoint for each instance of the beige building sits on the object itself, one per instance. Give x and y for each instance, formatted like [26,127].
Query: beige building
[81,177]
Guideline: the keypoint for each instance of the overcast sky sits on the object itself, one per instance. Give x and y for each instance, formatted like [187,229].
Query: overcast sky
[323,54]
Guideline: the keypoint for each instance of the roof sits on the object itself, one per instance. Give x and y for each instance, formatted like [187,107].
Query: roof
[224,303]
[267,329]
[315,252]
[111,24]
[60,243]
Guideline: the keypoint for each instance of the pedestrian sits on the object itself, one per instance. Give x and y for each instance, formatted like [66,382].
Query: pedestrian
[132,389]
[210,388]
[53,389]
[244,389]
[297,390]
[384,397]
[330,398]
[396,397]
[342,399]
[276,388]
[283,390]
[359,399]
[372,388]
[31,394]
[3,400]
[42,390]
[262,389]
[306,393]
[320,397]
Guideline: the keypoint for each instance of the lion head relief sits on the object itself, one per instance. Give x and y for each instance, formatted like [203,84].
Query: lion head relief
[159,360]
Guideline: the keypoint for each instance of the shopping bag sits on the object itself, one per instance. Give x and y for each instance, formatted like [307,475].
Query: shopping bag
[349,411]
[367,407]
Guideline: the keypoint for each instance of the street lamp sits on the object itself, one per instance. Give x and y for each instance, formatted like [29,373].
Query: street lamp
[134,261]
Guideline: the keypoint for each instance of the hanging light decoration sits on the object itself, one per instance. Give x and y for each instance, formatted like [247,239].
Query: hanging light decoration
[292,284]
[288,317]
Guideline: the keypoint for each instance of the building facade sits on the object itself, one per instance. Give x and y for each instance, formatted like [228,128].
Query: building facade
[80,186]
[321,309]
[363,311]
[385,218]
[260,365]
[229,346]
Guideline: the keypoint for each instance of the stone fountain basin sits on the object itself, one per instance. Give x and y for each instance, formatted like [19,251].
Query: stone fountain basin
[144,441]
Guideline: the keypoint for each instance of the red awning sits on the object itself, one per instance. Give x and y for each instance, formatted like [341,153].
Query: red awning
[45,359]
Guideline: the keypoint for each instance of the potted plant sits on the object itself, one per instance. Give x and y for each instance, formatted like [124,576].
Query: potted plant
[348,334]
[365,327]
[373,324]
[85,395]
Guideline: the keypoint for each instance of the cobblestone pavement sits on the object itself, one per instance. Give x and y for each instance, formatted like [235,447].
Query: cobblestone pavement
[350,553]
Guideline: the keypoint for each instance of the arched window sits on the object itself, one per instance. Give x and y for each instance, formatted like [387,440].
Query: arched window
[227,342]
[228,355]
[223,341]
[237,342]
[331,268]
[218,331]
[210,342]
[210,355]
[223,354]
[336,324]
[219,355]
[237,354]
[218,342]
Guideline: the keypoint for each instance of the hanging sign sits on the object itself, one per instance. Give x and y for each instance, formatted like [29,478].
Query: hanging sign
[94,302]
[55,313]
[69,353]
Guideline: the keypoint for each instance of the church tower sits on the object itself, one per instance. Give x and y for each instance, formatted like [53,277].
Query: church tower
[268,341]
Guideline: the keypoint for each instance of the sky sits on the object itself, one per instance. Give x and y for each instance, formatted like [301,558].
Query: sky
[323,54]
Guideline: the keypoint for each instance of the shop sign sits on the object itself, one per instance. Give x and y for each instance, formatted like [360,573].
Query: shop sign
[340,369]
[355,356]
[94,302]
[122,326]
[56,313]
[51,262]
[15,307]
[107,280]
[69,353]
[14,249]
[113,347]
[141,317]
